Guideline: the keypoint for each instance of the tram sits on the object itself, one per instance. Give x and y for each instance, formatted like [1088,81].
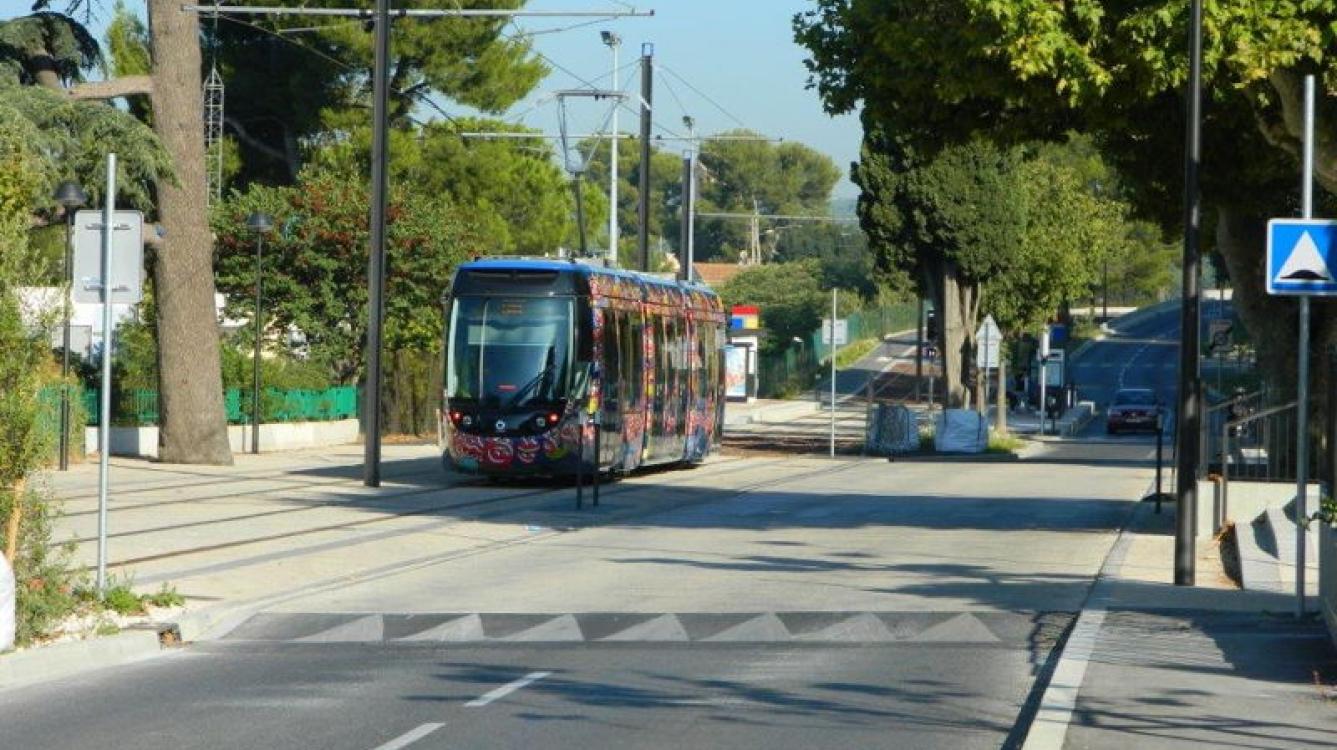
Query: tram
[541,353]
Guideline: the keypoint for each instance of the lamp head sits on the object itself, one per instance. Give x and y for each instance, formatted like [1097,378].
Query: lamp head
[609,38]
[70,195]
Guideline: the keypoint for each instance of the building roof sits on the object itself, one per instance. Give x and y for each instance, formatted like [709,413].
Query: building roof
[714,274]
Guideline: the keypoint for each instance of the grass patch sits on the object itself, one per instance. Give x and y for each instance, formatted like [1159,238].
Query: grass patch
[851,353]
[164,597]
[1004,443]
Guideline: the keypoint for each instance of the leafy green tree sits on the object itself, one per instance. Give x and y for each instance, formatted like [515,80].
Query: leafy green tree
[790,295]
[847,262]
[315,264]
[747,175]
[285,87]
[952,222]
[942,71]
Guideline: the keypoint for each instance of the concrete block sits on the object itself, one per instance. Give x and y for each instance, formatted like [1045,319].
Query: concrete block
[280,436]
[1327,577]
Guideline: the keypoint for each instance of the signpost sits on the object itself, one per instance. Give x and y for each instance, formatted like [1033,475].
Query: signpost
[988,345]
[1044,374]
[111,278]
[841,331]
[1299,264]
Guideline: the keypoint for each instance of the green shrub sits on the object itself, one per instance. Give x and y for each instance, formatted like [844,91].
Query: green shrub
[42,569]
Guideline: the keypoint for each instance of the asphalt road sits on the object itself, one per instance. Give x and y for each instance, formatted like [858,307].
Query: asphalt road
[853,603]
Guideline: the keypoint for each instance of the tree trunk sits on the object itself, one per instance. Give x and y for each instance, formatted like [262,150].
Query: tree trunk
[193,422]
[959,305]
[1000,398]
[12,524]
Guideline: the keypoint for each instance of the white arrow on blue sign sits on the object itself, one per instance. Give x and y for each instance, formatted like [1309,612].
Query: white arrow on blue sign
[1301,255]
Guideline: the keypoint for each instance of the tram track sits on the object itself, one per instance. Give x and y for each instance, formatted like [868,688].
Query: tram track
[487,547]
[731,466]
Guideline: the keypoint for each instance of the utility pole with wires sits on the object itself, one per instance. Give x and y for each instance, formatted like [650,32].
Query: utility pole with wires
[754,219]
[381,17]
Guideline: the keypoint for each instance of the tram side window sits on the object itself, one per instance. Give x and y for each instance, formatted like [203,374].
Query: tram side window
[633,348]
[612,364]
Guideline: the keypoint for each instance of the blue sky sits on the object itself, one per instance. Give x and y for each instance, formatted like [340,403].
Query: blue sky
[739,53]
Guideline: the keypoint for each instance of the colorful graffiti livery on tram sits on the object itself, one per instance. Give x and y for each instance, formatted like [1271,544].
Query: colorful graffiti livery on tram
[539,351]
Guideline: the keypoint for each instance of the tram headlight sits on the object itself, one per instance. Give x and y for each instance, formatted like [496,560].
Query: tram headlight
[539,422]
[467,421]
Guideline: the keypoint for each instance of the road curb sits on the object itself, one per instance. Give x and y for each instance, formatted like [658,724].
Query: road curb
[53,662]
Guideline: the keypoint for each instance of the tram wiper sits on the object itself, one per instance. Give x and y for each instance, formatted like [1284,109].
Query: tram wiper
[529,386]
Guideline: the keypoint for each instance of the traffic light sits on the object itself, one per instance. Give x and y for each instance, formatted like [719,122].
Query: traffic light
[931,325]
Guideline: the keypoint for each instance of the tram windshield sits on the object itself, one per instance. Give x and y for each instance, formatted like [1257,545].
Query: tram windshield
[509,352]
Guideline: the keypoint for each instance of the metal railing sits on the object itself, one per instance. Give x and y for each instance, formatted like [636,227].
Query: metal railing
[1216,415]
[1258,447]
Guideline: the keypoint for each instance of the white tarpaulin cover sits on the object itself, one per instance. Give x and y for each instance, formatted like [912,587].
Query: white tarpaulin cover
[7,605]
[961,431]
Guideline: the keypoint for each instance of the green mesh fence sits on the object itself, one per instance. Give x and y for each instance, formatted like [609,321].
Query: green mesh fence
[139,407]
[793,369]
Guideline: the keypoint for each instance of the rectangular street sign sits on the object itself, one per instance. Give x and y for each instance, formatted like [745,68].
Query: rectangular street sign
[1300,256]
[988,343]
[127,257]
[842,331]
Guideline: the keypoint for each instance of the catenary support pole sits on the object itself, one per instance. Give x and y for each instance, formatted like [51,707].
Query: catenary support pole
[691,213]
[1302,385]
[371,469]
[1189,419]
[684,272]
[833,373]
[643,200]
[104,412]
[614,43]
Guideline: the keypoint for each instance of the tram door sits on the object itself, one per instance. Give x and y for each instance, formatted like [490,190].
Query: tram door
[610,412]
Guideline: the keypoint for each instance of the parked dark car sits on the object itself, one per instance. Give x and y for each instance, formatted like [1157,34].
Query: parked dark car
[1133,409]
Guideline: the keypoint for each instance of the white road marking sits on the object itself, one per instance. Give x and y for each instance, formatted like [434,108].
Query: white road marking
[1049,729]
[410,737]
[506,689]
[1050,726]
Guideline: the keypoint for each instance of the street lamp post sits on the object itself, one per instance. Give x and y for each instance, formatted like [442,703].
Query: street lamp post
[261,224]
[71,197]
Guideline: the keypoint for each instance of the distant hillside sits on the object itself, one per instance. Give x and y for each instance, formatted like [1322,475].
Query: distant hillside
[842,207]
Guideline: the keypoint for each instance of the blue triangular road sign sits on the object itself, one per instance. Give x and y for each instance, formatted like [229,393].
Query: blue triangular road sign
[1301,257]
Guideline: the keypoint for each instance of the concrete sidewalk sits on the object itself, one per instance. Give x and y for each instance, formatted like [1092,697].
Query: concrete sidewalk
[1150,664]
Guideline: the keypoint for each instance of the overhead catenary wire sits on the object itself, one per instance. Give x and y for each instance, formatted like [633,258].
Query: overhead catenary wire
[703,95]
